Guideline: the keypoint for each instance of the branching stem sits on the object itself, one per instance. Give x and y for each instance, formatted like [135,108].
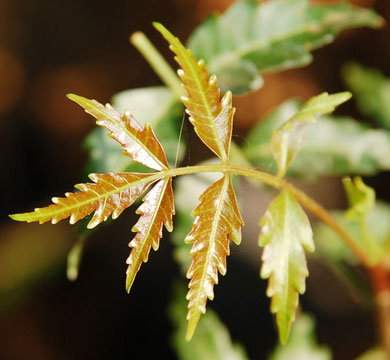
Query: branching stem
[278,183]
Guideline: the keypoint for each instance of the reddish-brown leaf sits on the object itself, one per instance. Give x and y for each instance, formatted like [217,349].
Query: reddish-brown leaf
[212,117]
[109,194]
[140,143]
[217,219]
[156,210]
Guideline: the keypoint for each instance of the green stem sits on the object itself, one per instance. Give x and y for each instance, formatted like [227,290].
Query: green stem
[157,62]
[278,183]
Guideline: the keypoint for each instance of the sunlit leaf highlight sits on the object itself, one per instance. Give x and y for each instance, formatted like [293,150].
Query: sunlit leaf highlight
[138,142]
[109,194]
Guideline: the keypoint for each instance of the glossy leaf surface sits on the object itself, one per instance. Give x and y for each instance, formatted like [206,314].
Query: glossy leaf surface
[156,210]
[211,116]
[217,219]
[109,194]
[371,91]
[162,110]
[287,140]
[252,37]
[138,142]
[333,146]
[285,232]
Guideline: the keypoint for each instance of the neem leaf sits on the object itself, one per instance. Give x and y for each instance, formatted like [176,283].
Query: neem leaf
[217,219]
[211,116]
[156,210]
[302,344]
[371,91]
[109,194]
[285,232]
[162,110]
[138,142]
[334,146]
[252,37]
[287,140]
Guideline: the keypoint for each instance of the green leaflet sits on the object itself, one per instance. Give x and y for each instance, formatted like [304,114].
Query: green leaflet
[251,37]
[211,340]
[334,146]
[285,232]
[287,140]
[302,344]
[371,91]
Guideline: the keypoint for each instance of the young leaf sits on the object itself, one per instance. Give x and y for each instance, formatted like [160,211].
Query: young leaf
[156,210]
[162,109]
[139,143]
[217,219]
[211,116]
[285,232]
[361,197]
[334,146]
[109,194]
[252,37]
[371,91]
[287,140]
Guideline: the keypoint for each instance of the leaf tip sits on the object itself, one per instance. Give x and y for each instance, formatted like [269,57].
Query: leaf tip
[192,324]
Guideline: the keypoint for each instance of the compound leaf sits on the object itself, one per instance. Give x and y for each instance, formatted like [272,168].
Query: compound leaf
[138,142]
[156,210]
[109,194]
[217,219]
[284,234]
[253,37]
[211,116]
[287,140]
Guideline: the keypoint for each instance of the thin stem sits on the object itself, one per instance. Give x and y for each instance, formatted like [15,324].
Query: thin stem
[278,183]
[157,62]
[380,279]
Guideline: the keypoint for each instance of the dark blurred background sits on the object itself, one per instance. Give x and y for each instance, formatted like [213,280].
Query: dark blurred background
[51,48]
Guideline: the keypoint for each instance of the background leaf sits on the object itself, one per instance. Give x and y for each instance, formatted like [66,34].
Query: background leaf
[332,247]
[277,35]
[302,344]
[333,146]
[371,91]
[285,231]
[211,340]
